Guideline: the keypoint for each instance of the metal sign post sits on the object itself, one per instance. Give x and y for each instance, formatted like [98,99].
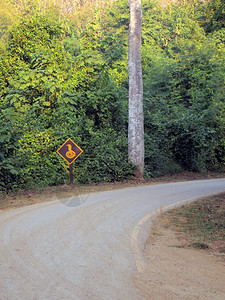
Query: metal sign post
[71,174]
[70,152]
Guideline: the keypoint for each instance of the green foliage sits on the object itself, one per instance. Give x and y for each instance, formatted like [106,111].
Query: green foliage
[215,16]
[55,93]
[10,132]
[34,35]
[40,164]
[158,162]
[183,91]
[193,143]
[60,80]
[8,19]
[105,157]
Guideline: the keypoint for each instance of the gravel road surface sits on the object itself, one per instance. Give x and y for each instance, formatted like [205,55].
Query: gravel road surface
[86,247]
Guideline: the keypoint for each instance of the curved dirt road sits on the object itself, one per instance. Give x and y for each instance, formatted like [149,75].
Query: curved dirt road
[64,250]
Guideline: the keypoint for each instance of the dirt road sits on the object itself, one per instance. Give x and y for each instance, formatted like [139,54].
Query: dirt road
[86,248]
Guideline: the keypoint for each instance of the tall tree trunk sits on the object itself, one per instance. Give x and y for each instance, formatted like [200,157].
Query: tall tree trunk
[136,118]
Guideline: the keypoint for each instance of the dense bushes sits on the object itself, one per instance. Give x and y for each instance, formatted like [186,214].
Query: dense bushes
[184,92]
[54,94]
[58,80]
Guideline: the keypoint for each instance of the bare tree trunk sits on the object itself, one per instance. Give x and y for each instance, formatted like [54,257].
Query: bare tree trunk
[136,118]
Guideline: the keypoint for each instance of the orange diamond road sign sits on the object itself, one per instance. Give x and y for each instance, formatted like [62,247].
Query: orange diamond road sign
[69,151]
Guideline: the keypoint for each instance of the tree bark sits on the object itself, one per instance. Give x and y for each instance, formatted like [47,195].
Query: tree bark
[136,118]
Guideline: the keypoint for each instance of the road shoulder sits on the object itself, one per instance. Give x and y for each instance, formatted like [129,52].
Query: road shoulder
[176,272]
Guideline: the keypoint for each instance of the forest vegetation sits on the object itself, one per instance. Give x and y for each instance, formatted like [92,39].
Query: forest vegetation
[64,73]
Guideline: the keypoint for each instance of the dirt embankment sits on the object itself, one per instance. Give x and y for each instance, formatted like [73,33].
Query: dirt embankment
[174,271]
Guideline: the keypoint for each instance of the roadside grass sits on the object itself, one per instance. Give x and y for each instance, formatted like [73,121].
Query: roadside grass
[201,223]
